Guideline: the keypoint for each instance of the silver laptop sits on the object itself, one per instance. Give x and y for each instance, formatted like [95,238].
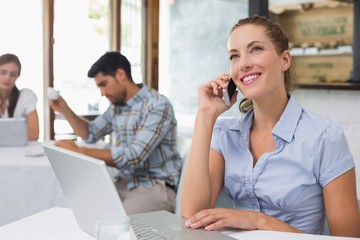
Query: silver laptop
[91,192]
[13,132]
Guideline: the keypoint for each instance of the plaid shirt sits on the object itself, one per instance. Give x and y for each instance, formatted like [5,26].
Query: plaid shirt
[143,139]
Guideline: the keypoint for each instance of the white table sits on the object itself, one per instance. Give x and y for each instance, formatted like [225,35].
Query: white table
[27,183]
[60,223]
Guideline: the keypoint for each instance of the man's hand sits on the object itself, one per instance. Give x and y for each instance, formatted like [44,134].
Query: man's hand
[101,154]
[70,145]
[59,105]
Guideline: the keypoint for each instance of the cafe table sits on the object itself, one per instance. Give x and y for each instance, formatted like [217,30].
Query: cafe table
[60,223]
[28,184]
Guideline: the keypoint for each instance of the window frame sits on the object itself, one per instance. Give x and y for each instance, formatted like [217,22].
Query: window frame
[150,52]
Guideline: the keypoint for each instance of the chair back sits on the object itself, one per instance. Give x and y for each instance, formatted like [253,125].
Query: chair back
[183,146]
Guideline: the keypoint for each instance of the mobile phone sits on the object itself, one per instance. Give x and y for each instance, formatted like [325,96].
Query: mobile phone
[229,92]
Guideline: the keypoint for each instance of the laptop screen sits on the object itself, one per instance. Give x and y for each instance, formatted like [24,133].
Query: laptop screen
[86,184]
[13,132]
[91,193]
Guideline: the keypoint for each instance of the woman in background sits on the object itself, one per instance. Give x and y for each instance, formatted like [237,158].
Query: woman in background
[15,103]
[284,167]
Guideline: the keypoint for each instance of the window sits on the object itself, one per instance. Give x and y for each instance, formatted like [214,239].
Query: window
[131,36]
[81,32]
[21,29]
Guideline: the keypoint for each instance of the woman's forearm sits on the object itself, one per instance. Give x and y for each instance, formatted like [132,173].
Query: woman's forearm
[196,193]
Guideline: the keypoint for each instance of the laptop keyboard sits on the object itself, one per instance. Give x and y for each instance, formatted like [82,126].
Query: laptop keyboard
[146,232]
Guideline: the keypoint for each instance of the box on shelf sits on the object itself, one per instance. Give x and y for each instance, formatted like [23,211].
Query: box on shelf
[322,28]
[319,26]
[322,68]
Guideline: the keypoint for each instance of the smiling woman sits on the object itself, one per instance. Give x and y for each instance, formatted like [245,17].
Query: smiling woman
[253,156]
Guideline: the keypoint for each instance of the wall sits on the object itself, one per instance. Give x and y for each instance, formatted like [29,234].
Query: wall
[197,47]
[342,106]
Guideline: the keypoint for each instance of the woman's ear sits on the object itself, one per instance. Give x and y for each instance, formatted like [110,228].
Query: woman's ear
[286,59]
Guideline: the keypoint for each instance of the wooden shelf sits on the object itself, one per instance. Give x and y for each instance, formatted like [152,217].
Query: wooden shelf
[339,86]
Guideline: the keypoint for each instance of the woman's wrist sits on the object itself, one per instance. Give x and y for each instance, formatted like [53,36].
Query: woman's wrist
[204,120]
[266,222]
[263,222]
[207,114]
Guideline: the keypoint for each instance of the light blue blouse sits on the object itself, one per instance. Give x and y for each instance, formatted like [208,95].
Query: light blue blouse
[287,183]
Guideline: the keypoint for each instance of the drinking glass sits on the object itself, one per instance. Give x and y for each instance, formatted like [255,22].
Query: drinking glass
[113,227]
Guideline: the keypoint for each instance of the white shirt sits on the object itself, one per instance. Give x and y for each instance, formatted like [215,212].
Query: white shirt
[25,104]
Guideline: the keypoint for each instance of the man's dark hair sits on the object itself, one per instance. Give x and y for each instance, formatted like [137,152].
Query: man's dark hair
[108,63]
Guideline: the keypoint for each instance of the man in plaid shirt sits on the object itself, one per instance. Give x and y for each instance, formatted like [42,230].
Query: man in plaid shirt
[143,129]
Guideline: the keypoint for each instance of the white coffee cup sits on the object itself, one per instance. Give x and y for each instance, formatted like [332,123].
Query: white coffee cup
[53,93]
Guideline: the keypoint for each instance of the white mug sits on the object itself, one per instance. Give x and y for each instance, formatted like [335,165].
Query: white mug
[53,93]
